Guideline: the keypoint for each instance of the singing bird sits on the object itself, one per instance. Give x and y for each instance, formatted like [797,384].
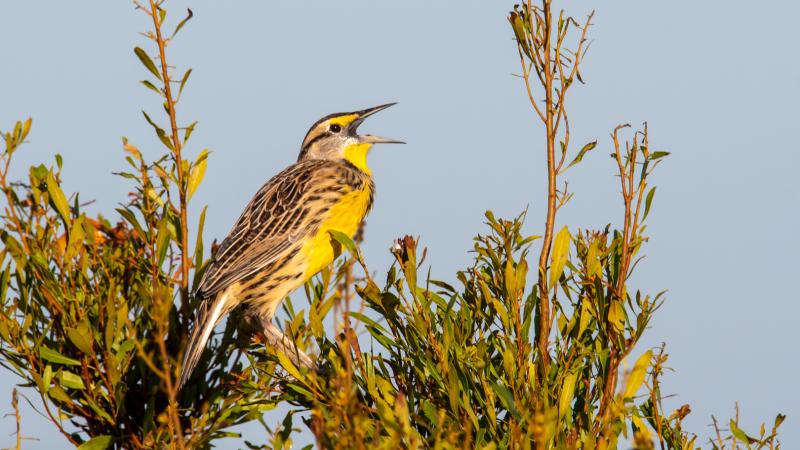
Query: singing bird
[282,238]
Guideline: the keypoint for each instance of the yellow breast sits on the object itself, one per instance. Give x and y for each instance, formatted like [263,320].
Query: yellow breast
[345,216]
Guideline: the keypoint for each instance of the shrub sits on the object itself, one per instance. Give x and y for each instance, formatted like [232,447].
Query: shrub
[525,351]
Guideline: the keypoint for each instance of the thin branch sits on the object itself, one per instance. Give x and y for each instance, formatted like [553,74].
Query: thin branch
[185,262]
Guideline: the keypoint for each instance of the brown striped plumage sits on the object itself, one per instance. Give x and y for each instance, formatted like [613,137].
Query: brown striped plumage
[280,240]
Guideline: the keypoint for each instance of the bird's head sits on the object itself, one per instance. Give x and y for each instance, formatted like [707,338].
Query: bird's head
[335,137]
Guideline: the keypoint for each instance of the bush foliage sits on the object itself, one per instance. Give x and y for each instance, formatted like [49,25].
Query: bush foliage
[526,350]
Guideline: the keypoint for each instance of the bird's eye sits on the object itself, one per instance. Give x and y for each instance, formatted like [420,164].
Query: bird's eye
[336,128]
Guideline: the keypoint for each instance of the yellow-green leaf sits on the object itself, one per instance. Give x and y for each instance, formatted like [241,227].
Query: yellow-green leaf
[55,357]
[57,198]
[558,256]
[585,316]
[616,315]
[567,394]
[593,267]
[97,443]
[636,378]
[198,172]
[286,363]
[162,240]
[76,237]
[345,241]
[58,394]
[47,377]
[71,380]
[740,434]
[81,336]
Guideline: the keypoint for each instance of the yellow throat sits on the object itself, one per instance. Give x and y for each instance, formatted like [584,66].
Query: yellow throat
[345,216]
[356,154]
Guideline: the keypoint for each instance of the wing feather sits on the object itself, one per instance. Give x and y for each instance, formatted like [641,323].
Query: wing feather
[274,222]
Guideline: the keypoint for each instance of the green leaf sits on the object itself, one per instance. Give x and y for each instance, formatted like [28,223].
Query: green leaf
[593,266]
[71,380]
[197,173]
[162,135]
[152,87]
[55,357]
[47,378]
[286,363]
[558,257]
[182,22]
[586,149]
[97,443]
[58,394]
[366,320]
[81,337]
[77,235]
[738,433]
[183,81]
[507,399]
[146,61]
[636,378]
[647,201]
[198,246]
[130,217]
[658,155]
[162,240]
[345,241]
[585,316]
[57,198]
[616,315]
[188,131]
[567,394]
[519,34]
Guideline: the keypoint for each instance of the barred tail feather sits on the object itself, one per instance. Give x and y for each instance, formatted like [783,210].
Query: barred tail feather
[202,332]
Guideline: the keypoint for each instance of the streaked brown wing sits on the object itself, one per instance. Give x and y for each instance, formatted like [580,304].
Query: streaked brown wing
[272,225]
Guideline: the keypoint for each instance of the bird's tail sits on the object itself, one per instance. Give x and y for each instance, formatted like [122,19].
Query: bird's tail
[208,318]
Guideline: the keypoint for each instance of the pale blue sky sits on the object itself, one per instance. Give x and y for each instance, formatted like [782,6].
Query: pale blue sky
[718,81]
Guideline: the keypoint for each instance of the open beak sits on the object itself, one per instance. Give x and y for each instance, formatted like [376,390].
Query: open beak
[369,138]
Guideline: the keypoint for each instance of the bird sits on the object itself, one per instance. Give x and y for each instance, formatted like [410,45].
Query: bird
[282,238]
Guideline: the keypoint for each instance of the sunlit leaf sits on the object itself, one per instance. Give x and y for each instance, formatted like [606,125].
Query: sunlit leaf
[81,336]
[567,393]
[559,254]
[616,315]
[58,199]
[71,380]
[197,172]
[55,357]
[162,240]
[287,365]
[637,375]
[740,434]
[97,443]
